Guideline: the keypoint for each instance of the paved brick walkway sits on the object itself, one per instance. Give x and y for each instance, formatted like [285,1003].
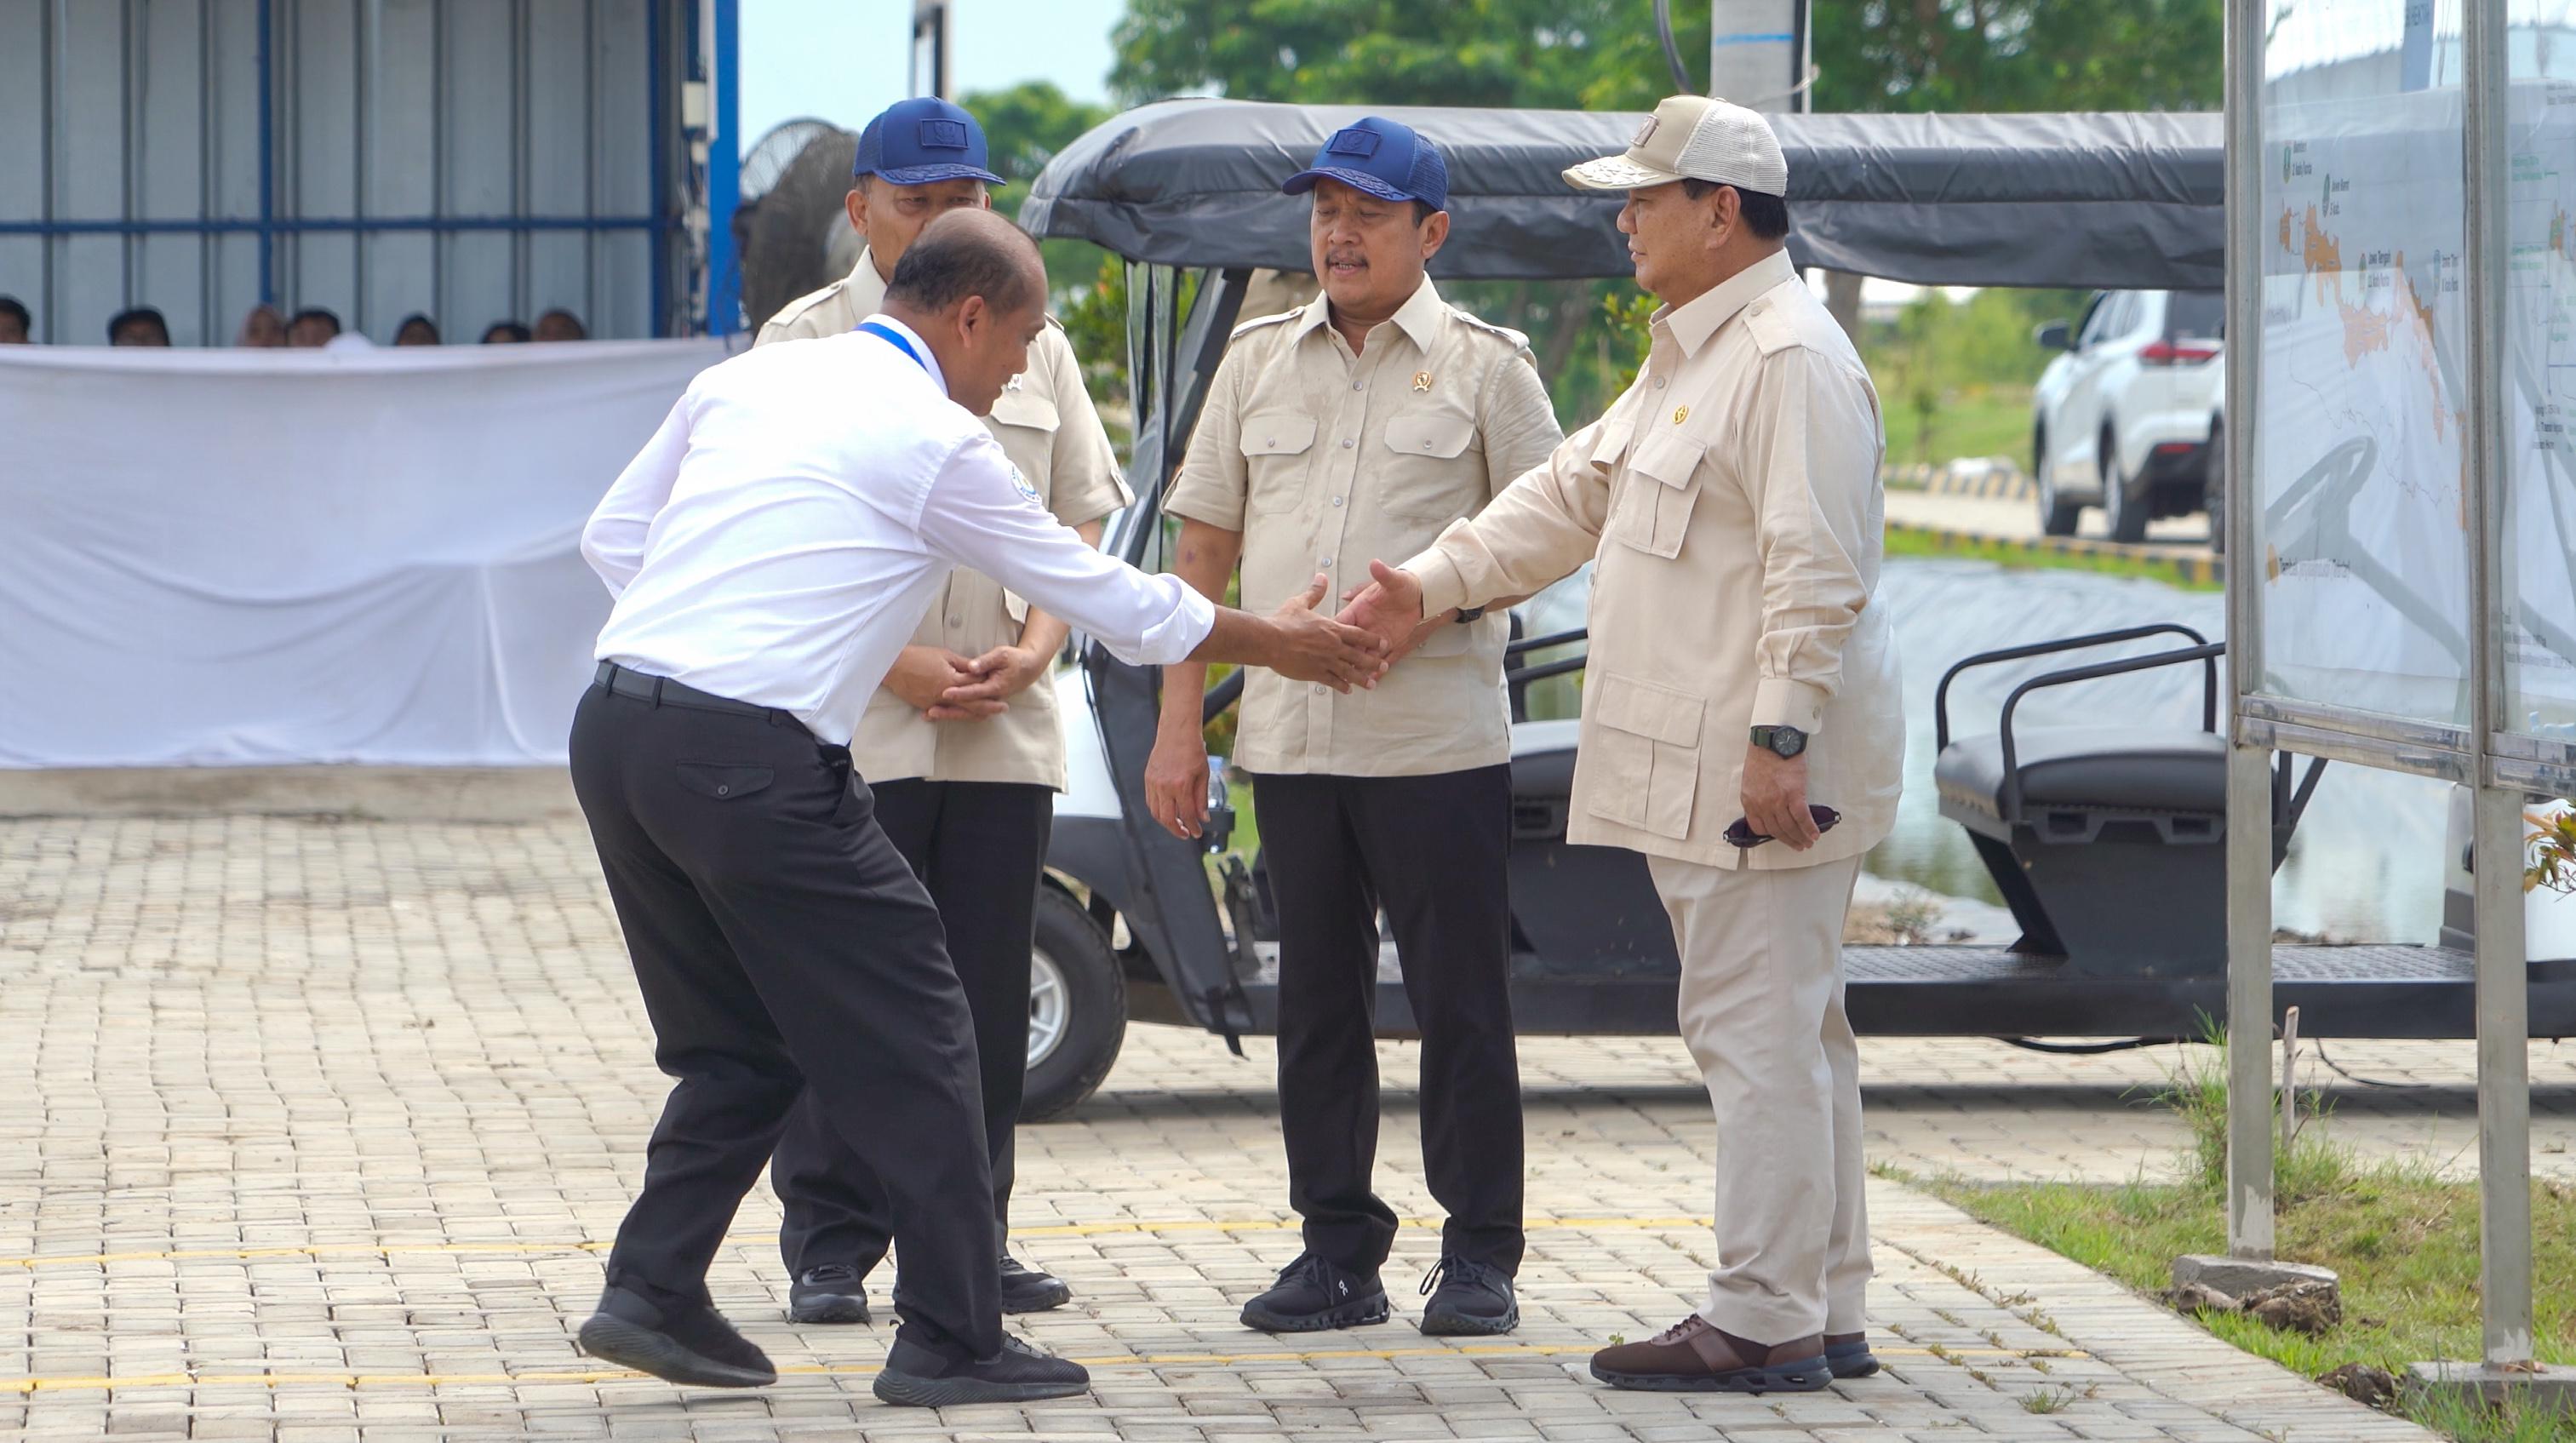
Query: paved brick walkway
[314,1129]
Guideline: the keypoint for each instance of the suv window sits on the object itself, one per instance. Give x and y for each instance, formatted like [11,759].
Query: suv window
[2103,323]
[2201,314]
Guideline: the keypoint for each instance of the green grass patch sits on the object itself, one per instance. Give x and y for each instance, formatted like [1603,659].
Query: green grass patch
[1909,541]
[2404,1242]
[1970,421]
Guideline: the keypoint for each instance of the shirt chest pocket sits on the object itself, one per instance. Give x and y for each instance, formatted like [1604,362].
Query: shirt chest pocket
[1430,472]
[1650,508]
[1276,449]
[1025,423]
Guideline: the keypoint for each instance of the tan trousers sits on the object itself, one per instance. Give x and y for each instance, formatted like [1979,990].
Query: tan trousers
[1762,1010]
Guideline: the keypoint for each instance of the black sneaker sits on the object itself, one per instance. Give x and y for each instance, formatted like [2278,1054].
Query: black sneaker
[693,1345]
[916,1377]
[1472,1300]
[1313,1296]
[1849,1356]
[1027,1290]
[831,1293]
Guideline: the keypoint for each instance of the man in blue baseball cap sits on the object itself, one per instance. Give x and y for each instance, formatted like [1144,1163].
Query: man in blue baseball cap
[960,744]
[1372,417]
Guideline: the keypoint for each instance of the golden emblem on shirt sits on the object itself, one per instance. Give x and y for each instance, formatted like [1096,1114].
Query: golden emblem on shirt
[1680,414]
[1422,380]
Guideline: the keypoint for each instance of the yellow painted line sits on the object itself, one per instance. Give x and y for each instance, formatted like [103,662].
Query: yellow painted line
[861,1370]
[1065,1230]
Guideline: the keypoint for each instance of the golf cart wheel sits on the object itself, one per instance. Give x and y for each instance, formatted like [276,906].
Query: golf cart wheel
[2057,517]
[1077,1008]
[2125,502]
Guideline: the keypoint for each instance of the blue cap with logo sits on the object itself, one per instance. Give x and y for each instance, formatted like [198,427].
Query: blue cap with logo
[922,142]
[1379,156]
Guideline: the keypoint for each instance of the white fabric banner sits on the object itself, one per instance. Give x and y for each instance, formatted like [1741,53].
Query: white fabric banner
[285,557]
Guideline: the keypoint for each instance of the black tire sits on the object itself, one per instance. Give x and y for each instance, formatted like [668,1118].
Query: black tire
[2126,504]
[2057,517]
[1094,1022]
[2213,486]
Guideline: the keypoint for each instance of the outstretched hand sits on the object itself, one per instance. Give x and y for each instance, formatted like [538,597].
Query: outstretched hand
[1306,646]
[1388,608]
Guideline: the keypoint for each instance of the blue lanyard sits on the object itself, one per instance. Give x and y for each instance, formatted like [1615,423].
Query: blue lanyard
[894,338]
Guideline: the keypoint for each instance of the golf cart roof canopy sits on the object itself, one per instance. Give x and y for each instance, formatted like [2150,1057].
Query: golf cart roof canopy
[2114,200]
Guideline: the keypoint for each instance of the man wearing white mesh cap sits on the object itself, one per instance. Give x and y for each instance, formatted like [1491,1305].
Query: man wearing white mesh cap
[1741,722]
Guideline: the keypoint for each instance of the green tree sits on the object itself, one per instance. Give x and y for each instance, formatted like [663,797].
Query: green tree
[1025,126]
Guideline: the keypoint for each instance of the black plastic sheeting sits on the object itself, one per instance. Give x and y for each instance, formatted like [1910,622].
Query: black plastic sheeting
[2122,201]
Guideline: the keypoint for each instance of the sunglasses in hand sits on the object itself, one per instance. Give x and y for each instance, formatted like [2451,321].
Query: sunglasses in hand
[1742,834]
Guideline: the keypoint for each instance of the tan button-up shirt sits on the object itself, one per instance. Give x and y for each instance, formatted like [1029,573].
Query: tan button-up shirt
[1048,428]
[1733,500]
[1324,461]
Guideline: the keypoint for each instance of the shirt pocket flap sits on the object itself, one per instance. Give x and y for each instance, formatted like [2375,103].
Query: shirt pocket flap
[1429,434]
[1642,709]
[1025,408]
[1279,433]
[1607,451]
[1670,458]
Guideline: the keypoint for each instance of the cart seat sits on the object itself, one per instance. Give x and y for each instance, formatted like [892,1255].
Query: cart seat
[2124,769]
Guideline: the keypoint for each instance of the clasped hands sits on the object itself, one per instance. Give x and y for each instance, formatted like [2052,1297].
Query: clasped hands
[944,686]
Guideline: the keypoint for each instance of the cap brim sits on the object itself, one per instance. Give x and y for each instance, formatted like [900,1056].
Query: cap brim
[1304,181]
[931,174]
[1617,172]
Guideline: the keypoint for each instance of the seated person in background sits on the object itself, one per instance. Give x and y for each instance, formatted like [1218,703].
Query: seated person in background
[140,326]
[262,329]
[17,326]
[504,333]
[312,328]
[416,330]
[560,325]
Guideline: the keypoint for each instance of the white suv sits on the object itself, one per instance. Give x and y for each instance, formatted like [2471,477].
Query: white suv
[2128,419]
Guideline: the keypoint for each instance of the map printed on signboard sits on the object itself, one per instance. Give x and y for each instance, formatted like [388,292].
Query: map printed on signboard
[2361,446]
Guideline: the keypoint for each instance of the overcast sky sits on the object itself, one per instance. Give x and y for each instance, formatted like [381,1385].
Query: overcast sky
[844,60]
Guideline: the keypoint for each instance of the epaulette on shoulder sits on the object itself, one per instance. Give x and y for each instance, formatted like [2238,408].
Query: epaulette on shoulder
[1242,328]
[1773,327]
[1518,340]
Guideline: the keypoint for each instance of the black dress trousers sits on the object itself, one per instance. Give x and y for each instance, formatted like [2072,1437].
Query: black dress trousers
[1433,851]
[980,848]
[781,943]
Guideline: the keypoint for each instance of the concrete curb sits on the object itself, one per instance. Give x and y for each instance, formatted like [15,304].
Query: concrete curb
[2195,565]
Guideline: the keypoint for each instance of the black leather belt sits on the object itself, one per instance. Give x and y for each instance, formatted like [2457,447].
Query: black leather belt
[662,691]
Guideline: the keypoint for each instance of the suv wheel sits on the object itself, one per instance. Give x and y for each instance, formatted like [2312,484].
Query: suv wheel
[2056,517]
[2125,503]
[1077,1008]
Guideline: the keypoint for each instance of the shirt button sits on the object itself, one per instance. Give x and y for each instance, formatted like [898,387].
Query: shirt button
[1337,500]
[1325,561]
[956,621]
[1319,691]
[1359,385]
[1348,443]
[1659,383]
[722,790]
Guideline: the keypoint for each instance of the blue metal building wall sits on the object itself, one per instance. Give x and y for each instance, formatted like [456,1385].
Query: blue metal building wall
[473,160]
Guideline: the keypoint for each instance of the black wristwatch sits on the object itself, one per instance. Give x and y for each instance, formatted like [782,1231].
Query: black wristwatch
[1469,613]
[1787,741]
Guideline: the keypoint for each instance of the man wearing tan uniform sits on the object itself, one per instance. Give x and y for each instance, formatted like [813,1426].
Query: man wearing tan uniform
[1738,670]
[961,743]
[1361,424]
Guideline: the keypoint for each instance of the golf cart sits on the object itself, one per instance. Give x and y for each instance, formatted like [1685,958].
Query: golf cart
[2107,843]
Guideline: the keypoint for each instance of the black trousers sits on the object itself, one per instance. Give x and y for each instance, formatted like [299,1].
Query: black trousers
[979,847]
[781,942]
[1433,851]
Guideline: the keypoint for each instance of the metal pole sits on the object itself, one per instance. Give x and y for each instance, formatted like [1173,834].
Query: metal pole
[2249,770]
[1757,53]
[2503,1005]
[724,175]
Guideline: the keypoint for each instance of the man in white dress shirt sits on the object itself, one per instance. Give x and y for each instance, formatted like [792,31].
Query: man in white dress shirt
[771,549]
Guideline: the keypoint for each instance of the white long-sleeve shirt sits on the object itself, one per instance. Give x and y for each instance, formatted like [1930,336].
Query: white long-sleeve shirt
[779,538]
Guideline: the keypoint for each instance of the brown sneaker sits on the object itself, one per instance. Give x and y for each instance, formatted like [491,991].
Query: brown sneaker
[1696,1356]
[1849,1356]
